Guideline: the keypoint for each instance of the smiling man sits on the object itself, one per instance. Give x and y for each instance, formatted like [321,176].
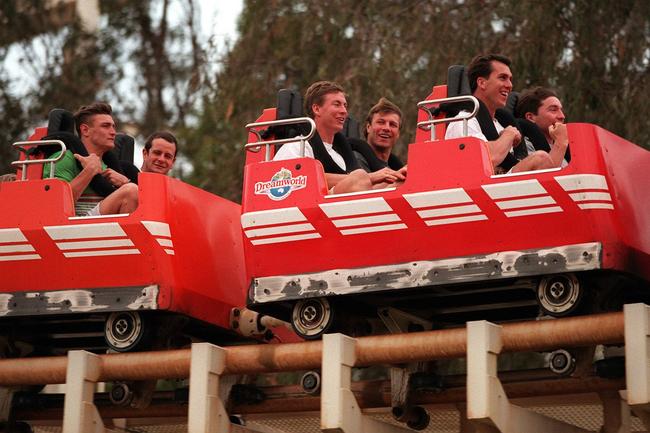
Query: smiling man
[159,152]
[381,130]
[325,102]
[541,107]
[490,81]
[96,130]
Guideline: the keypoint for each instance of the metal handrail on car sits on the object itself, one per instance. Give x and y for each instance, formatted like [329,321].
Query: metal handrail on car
[278,141]
[431,121]
[24,163]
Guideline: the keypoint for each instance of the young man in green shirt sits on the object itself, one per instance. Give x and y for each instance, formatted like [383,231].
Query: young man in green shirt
[96,130]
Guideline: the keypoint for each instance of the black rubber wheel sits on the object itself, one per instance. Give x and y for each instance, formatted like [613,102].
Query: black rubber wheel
[313,317]
[127,331]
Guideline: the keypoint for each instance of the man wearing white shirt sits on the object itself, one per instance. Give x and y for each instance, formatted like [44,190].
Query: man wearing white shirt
[325,102]
[490,81]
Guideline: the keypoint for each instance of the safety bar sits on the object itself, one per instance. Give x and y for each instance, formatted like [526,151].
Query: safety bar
[26,162]
[279,141]
[431,121]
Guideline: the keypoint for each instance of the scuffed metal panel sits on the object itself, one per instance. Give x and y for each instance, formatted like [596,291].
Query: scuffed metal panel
[78,301]
[507,264]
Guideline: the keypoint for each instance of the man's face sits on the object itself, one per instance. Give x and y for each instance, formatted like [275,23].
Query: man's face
[99,132]
[495,89]
[549,113]
[160,158]
[332,114]
[383,130]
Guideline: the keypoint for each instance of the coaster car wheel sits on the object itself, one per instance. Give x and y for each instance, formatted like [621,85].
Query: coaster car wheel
[311,318]
[125,330]
[559,295]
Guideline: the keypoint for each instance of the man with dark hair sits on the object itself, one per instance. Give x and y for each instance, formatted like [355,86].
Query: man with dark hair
[96,130]
[325,102]
[490,81]
[381,131]
[159,153]
[542,108]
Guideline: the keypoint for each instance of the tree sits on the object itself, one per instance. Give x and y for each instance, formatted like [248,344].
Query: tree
[596,54]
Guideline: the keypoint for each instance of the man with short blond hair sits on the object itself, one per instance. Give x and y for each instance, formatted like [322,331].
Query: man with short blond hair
[326,103]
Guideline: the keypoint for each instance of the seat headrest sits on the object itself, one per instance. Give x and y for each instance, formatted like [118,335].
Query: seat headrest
[60,120]
[457,81]
[289,104]
[511,103]
[124,145]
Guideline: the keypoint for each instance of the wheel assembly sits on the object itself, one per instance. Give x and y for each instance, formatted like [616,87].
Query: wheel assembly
[562,362]
[121,394]
[310,382]
[312,317]
[559,295]
[124,330]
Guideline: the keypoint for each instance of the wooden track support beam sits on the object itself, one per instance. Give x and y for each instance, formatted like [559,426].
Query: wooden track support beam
[340,412]
[637,360]
[207,412]
[79,412]
[488,408]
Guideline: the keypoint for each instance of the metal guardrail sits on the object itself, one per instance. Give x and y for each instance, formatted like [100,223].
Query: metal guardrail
[279,141]
[428,124]
[23,164]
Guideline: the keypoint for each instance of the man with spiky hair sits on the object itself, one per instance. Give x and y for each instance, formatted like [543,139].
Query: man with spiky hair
[96,130]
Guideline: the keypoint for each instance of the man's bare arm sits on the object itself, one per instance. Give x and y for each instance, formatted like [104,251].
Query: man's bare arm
[500,147]
[91,166]
[560,137]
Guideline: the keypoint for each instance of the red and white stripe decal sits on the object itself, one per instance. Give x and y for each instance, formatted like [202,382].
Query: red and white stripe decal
[15,247]
[523,198]
[363,216]
[161,232]
[91,240]
[277,225]
[448,206]
[589,191]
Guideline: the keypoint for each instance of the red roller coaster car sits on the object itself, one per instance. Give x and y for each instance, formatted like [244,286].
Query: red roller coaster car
[454,242]
[173,267]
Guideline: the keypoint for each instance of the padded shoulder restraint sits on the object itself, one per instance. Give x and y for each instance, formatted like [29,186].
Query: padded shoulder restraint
[374,163]
[100,185]
[342,146]
[536,136]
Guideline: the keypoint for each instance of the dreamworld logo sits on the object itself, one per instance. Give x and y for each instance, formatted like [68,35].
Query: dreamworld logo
[281,185]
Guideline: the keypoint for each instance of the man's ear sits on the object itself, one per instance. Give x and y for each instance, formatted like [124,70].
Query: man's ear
[315,108]
[530,117]
[367,128]
[83,129]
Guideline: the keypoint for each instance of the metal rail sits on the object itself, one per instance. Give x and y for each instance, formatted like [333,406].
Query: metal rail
[23,164]
[279,141]
[542,335]
[431,122]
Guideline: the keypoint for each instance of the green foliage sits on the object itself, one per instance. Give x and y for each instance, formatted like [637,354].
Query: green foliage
[596,54]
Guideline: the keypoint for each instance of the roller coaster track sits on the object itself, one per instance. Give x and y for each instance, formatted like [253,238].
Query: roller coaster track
[482,399]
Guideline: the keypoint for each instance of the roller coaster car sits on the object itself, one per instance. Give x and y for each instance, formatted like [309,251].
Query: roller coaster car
[172,268]
[454,242]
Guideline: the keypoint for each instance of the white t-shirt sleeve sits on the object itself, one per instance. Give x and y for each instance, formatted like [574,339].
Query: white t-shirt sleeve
[455,129]
[292,150]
